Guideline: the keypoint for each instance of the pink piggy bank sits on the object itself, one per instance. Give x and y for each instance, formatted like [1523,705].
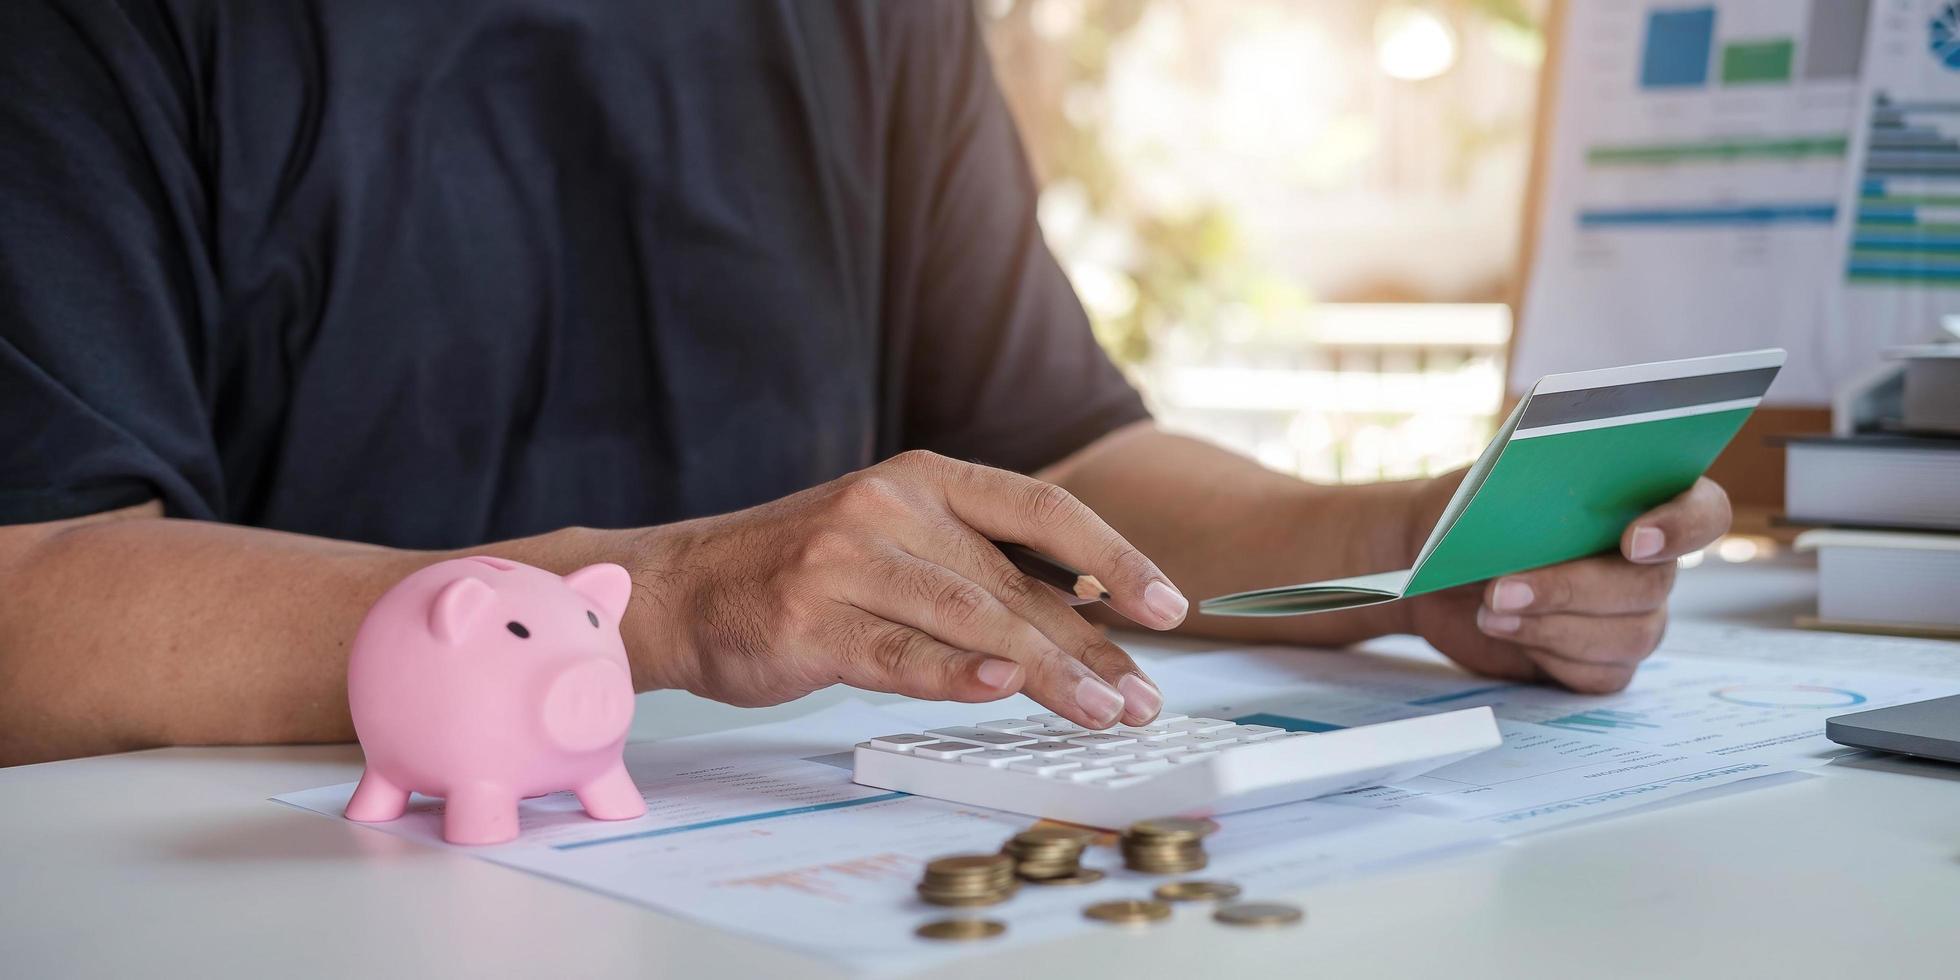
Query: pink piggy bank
[485,681]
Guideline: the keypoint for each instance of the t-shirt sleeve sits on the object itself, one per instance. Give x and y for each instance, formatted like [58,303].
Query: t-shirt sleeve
[1000,365]
[102,281]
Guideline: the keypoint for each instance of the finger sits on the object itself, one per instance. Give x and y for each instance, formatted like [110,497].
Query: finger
[1012,507]
[1101,680]
[1606,585]
[1480,653]
[880,655]
[1585,678]
[1690,522]
[1597,640]
[960,613]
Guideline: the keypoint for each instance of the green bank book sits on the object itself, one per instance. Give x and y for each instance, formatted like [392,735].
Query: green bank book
[1581,456]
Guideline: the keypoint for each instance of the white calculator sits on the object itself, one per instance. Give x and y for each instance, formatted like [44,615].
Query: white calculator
[1047,766]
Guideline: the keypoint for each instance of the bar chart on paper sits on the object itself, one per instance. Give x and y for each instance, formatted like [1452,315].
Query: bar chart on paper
[1907,202]
[1900,253]
[1692,182]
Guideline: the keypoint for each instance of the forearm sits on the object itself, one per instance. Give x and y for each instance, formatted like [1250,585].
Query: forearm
[132,630]
[1217,522]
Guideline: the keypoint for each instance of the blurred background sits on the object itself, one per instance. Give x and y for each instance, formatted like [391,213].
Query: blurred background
[1295,224]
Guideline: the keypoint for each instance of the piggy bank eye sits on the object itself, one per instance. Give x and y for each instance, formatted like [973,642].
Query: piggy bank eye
[518,630]
[594,617]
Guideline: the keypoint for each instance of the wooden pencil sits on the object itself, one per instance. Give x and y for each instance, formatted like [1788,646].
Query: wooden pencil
[1044,568]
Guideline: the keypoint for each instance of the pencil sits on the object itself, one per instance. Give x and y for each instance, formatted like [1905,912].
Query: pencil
[1043,568]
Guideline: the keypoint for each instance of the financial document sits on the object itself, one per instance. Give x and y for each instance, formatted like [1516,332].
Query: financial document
[1901,194]
[1692,171]
[760,831]
[1687,723]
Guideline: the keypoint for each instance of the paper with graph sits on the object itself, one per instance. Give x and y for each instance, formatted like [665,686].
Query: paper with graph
[761,831]
[1901,248]
[1687,723]
[1580,457]
[1689,187]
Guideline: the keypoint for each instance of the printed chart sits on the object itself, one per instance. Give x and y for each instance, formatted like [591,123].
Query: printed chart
[1691,184]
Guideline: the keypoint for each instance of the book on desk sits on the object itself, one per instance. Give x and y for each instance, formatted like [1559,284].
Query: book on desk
[1888,543]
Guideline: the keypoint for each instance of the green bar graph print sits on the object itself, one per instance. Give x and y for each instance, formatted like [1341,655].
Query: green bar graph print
[1755,62]
[1722,150]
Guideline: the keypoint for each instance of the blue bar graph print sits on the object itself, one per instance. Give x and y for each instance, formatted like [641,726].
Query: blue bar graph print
[1677,49]
[1600,719]
[1908,184]
[1821,212]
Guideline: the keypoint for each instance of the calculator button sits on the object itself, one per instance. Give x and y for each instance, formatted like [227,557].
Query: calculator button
[1190,725]
[1049,748]
[1095,758]
[1184,756]
[1009,725]
[981,735]
[1121,781]
[1249,733]
[1043,767]
[1087,775]
[1049,718]
[944,750]
[1101,740]
[1203,743]
[1154,750]
[1056,731]
[1143,766]
[1146,733]
[994,757]
[1168,718]
[901,743]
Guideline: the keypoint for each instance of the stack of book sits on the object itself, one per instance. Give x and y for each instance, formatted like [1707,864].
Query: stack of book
[1888,553]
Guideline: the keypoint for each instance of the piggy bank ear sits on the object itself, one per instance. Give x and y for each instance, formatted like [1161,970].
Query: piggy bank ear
[606,585]
[457,607]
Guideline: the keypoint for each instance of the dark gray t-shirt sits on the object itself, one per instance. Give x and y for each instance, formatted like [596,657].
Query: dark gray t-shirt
[429,274]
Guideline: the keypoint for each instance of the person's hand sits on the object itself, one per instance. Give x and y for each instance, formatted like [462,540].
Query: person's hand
[886,580]
[1584,624]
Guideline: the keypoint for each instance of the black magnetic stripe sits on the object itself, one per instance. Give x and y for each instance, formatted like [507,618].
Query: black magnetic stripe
[1587,404]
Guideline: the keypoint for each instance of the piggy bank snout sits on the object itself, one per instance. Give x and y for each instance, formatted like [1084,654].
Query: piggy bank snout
[588,705]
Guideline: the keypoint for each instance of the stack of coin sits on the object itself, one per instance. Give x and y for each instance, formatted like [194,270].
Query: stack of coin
[1051,854]
[968,879]
[1169,845]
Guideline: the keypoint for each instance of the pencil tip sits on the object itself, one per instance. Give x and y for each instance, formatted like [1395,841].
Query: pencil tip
[1102,596]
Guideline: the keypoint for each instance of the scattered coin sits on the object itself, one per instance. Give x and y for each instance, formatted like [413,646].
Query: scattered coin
[959,930]
[968,879]
[1128,911]
[1082,876]
[1198,891]
[1259,914]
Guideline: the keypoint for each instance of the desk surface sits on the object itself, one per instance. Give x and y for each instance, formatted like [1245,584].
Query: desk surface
[170,861]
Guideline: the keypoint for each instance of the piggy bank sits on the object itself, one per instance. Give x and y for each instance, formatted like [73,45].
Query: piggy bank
[485,682]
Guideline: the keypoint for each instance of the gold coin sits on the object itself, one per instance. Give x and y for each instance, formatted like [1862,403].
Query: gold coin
[1198,891]
[1128,911]
[970,864]
[1081,876]
[1259,914]
[960,929]
[1176,828]
[1060,836]
[963,900]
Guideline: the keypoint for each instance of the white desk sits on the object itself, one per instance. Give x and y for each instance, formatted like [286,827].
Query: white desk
[171,862]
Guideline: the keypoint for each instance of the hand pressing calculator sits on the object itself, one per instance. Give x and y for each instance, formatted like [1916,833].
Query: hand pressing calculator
[1046,766]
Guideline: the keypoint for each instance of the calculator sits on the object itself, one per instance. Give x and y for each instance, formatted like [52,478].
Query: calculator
[1178,765]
